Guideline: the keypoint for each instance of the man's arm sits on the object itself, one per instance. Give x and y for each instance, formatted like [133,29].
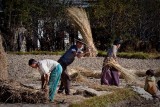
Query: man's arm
[77,54]
[80,54]
[115,52]
[44,80]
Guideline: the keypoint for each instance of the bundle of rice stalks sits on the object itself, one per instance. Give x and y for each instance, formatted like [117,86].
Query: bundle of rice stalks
[3,62]
[85,72]
[79,78]
[130,77]
[157,73]
[79,18]
[15,92]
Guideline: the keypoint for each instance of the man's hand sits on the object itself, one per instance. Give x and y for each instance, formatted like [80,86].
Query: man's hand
[45,89]
[79,55]
[44,80]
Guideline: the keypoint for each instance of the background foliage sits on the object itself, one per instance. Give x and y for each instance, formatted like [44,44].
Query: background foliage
[136,22]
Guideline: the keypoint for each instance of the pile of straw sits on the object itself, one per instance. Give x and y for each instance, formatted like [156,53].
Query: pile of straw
[14,92]
[3,62]
[79,78]
[130,77]
[83,71]
[79,18]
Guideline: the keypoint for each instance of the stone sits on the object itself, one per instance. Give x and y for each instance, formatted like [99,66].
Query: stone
[142,92]
[89,92]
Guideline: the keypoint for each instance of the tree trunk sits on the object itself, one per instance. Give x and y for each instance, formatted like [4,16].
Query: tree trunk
[3,62]
[22,39]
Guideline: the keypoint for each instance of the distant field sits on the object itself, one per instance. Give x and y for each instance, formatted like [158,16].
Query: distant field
[136,55]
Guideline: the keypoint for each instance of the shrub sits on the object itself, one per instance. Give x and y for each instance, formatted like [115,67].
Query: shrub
[137,55]
[102,53]
[38,53]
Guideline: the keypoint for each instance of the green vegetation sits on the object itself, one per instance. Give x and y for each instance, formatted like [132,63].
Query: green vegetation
[134,21]
[102,53]
[104,101]
[38,53]
[138,55]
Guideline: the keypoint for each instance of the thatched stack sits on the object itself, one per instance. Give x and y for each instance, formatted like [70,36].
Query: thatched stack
[80,74]
[14,92]
[79,18]
[3,62]
[83,71]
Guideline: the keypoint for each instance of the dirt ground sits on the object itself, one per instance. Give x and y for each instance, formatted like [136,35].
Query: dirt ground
[19,70]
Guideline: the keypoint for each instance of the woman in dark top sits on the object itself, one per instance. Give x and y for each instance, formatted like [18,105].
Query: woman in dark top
[109,75]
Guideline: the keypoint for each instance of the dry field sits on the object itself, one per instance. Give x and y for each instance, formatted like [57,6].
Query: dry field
[83,87]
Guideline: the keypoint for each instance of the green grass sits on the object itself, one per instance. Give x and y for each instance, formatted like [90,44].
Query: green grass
[106,100]
[38,53]
[102,53]
[137,55]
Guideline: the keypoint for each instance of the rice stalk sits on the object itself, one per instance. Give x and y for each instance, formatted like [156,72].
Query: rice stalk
[14,92]
[79,18]
[130,77]
[3,62]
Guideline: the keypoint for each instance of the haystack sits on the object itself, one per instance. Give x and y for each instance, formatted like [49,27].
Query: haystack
[130,77]
[15,92]
[83,71]
[3,62]
[79,18]
[79,78]
[12,91]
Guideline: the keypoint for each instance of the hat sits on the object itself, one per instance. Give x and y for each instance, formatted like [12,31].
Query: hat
[117,41]
[80,40]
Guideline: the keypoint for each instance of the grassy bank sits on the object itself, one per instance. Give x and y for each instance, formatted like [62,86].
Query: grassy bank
[137,55]
[38,53]
[106,100]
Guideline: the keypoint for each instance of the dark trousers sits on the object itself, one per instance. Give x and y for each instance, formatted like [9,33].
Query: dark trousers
[65,79]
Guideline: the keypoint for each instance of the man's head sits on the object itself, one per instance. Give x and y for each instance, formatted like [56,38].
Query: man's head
[33,63]
[79,43]
[117,43]
[150,72]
